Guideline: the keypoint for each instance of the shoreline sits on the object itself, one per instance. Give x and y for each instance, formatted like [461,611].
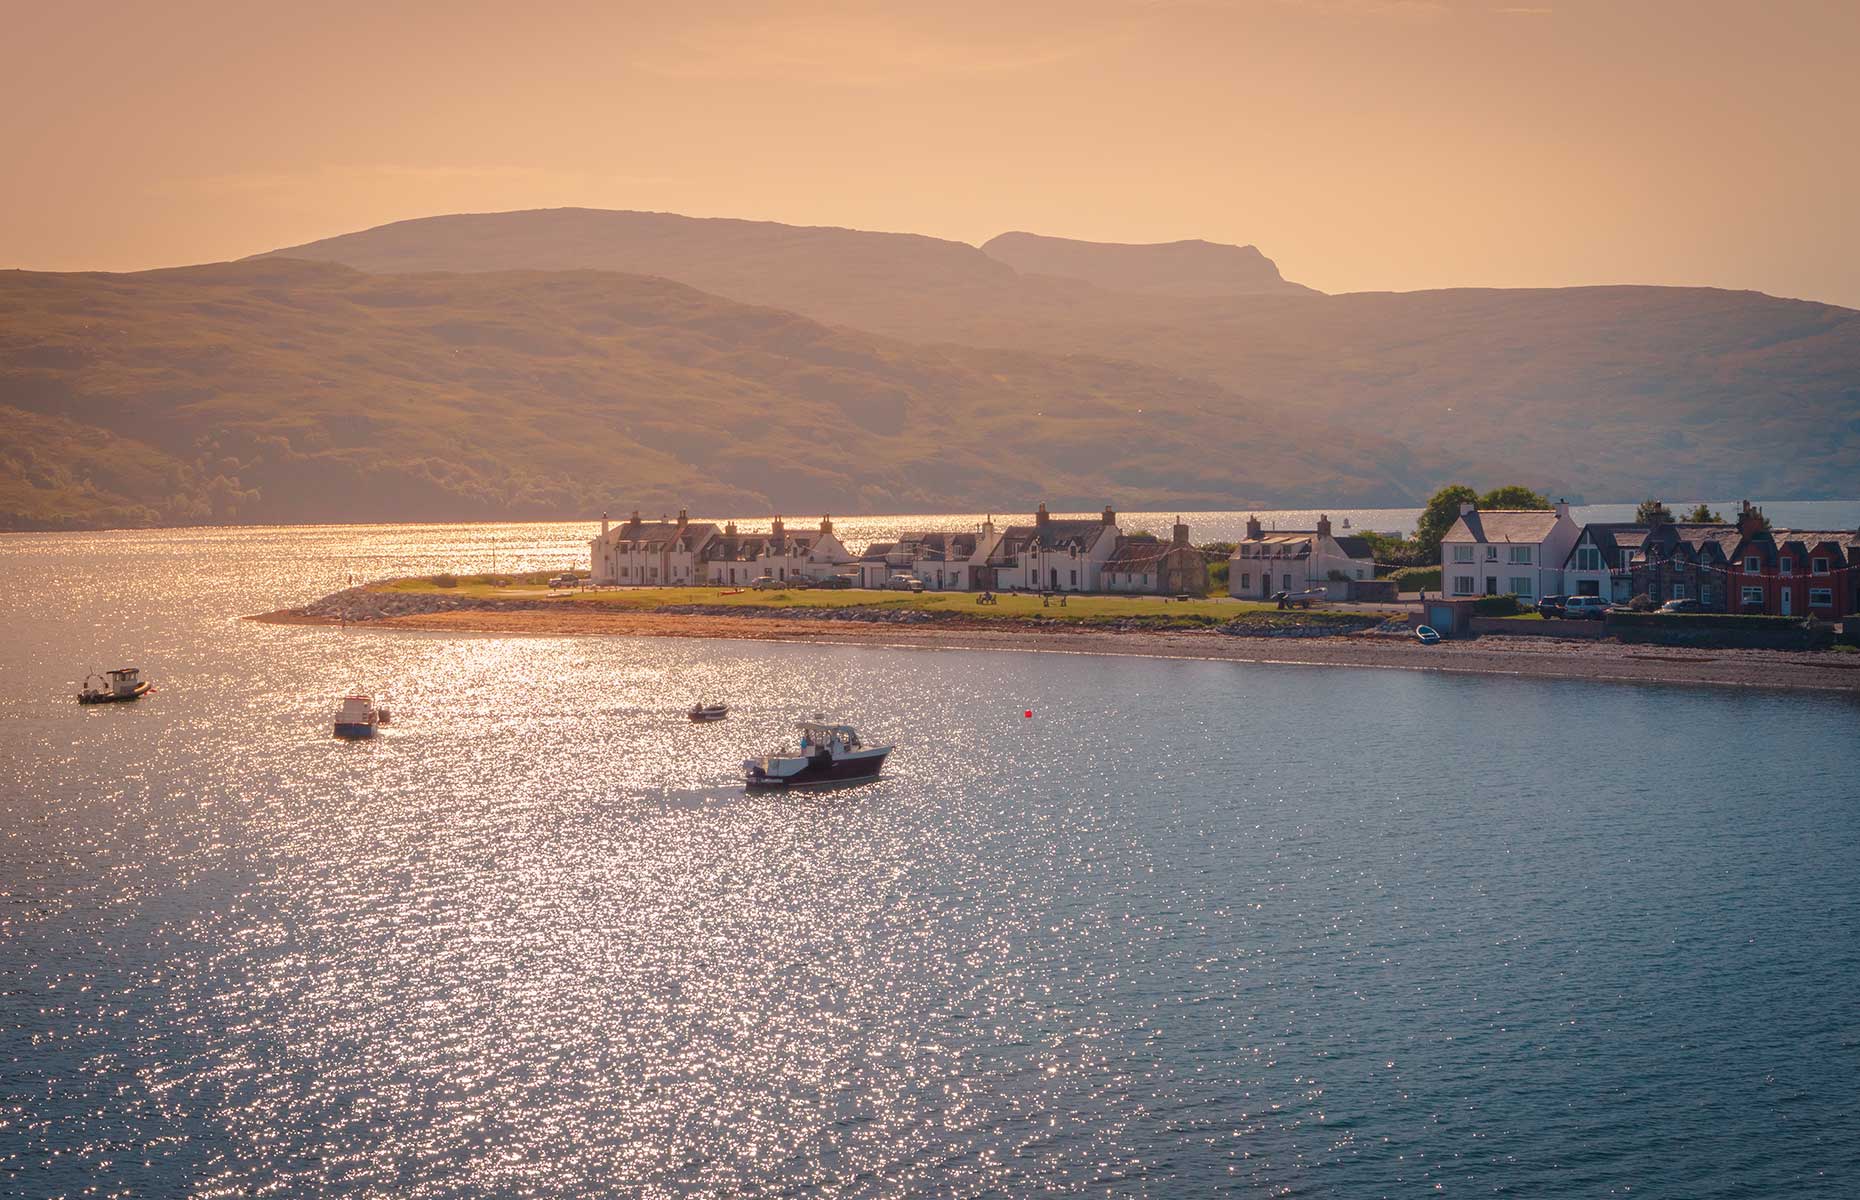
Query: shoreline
[1521,657]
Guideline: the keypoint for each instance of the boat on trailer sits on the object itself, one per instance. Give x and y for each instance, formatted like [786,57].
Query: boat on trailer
[702,712]
[114,687]
[359,717]
[829,755]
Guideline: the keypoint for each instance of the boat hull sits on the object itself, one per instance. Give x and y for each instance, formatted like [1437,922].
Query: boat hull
[140,690]
[702,715]
[821,771]
[353,730]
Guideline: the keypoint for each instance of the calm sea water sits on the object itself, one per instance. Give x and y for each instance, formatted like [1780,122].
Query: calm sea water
[1194,928]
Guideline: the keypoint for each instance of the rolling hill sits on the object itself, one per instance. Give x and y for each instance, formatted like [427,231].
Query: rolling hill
[277,390]
[1604,392]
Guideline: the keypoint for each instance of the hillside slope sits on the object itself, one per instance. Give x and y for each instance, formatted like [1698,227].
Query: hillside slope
[278,390]
[1192,268]
[1612,392]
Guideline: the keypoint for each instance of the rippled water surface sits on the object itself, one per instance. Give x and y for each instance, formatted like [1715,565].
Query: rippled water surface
[1195,927]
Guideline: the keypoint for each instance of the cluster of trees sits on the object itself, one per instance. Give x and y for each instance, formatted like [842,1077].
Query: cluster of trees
[1423,549]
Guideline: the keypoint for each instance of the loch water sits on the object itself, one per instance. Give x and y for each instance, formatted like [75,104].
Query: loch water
[1193,928]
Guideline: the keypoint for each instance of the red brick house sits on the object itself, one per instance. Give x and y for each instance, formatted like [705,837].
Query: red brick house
[1794,572]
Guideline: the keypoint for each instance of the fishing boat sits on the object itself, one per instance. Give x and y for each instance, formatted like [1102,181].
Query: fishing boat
[1427,635]
[114,687]
[359,717]
[708,712]
[829,755]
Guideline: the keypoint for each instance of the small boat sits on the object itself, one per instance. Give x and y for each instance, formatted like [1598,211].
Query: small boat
[359,717]
[114,687]
[1427,635]
[708,712]
[829,755]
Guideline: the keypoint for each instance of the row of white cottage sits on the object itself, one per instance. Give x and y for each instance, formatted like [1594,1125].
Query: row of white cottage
[1052,554]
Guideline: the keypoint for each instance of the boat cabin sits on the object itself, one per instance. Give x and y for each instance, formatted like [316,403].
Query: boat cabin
[124,680]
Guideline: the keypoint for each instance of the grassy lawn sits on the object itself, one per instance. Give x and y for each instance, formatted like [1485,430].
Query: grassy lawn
[1013,605]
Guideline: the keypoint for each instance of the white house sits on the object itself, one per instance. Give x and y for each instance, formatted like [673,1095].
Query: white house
[1520,551]
[1056,555]
[947,561]
[735,559]
[1295,560]
[650,553]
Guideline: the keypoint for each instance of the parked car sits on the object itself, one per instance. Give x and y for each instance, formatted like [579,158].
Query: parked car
[1551,606]
[565,581]
[1682,606]
[768,583]
[1585,608]
[838,581]
[905,583]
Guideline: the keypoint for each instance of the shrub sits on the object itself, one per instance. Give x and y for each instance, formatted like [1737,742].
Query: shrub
[1642,603]
[445,579]
[1416,579]
[1497,606]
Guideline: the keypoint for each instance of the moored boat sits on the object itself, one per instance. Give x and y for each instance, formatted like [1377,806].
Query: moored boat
[359,717]
[1427,635]
[708,712]
[114,687]
[828,755]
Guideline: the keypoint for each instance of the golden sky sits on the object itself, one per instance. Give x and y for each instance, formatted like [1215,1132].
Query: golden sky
[1362,144]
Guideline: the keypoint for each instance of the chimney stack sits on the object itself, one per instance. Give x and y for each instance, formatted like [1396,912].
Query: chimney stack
[1467,508]
[1252,529]
[1110,515]
[729,529]
[1562,507]
[777,538]
[826,524]
[1323,525]
[635,520]
[1181,531]
[603,524]
[1039,515]
[1749,520]
[684,518]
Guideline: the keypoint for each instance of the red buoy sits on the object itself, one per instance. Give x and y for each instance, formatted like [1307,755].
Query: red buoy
[1030,713]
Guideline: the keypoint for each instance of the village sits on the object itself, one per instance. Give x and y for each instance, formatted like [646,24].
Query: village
[1536,558]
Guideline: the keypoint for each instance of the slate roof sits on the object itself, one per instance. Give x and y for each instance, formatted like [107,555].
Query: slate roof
[1055,535]
[1531,525]
[1616,540]
[657,535]
[1138,553]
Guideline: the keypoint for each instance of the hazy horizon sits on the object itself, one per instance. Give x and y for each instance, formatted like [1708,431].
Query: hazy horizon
[1363,145]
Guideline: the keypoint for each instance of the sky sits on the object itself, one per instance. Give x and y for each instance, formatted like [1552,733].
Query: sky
[1361,144]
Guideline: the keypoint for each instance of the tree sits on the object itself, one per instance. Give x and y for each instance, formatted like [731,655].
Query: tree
[1438,517]
[1703,515]
[1652,512]
[1514,495]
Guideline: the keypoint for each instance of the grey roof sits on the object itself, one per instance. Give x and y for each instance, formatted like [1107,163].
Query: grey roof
[648,535]
[1355,547]
[1531,525]
[1615,539]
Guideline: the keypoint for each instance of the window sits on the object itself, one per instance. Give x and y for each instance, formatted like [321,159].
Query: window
[1786,565]
[1359,572]
[1753,595]
[1491,554]
[1521,555]
[1075,579]
[1462,554]
[1246,579]
[1753,565]
[1821,597]
[1463,585]
[1588,558]
[1679,591]
[1287,585]
[1821,566]
[1521,585]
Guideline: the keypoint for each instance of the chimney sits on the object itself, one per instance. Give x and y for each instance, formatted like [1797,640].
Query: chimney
[603,524]
[777,538]
[1252,529]
[1039,515]
[684,518]
[1562,507]
[1110,515]
[729,529]
[635,520]
[826,524]
[1323,525]
[1749,520]
[1467,508]
[1181,531]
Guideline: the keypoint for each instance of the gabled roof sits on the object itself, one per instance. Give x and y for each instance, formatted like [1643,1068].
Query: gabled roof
[657,535]
[1354,546]
[1136,553]
[1521,525]
[1617,540]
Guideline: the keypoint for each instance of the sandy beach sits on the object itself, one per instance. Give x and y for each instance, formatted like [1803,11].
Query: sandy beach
[1525,657]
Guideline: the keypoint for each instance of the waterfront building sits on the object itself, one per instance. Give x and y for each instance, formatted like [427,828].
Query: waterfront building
[1143,562]
[650,553]
[1054,554]
[1793,572]
[1267,561]
[1520,551]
